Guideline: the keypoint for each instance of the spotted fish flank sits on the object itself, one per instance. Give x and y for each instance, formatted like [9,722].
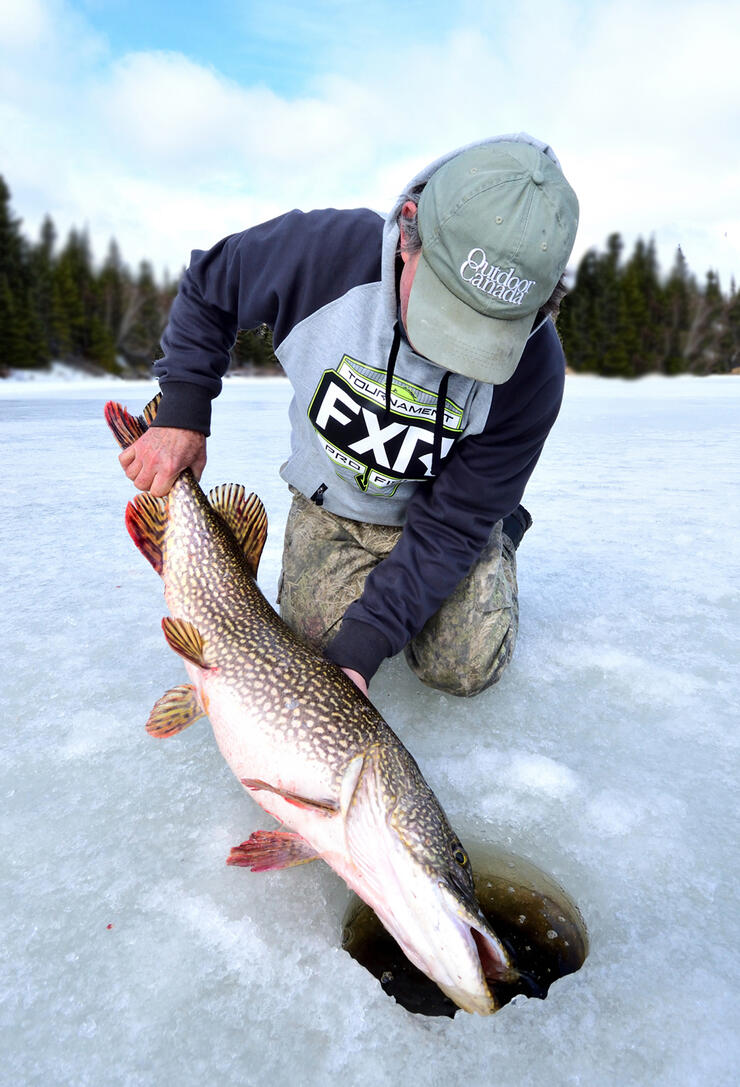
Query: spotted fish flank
[302,739]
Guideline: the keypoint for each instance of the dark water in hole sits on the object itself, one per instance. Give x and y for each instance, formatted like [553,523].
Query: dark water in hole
[538,923]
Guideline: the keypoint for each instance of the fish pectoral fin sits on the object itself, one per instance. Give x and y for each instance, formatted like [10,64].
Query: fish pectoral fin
[245,515]
[266,850]
[185,639]
[174,711]
[350,779]
[329,807]
[365,811]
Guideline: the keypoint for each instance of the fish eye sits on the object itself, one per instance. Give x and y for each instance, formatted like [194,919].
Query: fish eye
[460,856]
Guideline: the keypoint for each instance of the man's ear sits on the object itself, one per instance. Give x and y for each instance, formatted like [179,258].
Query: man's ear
[408,211]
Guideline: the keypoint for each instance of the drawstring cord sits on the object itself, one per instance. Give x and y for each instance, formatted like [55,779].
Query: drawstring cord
[439,422]
[439,418]
[391,369]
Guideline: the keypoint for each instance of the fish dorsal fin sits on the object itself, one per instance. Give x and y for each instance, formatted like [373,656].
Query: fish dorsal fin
[185,639]
[245,515]
[150,411]
[146,521]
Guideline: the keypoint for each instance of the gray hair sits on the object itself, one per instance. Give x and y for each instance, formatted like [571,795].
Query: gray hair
[411,243]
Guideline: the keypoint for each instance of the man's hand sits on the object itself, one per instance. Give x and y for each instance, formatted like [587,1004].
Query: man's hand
[357,679]
[154,462]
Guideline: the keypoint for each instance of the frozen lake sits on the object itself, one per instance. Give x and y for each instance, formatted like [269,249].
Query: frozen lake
[608,756]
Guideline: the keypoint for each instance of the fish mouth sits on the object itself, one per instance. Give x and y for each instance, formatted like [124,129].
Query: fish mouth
[487,956]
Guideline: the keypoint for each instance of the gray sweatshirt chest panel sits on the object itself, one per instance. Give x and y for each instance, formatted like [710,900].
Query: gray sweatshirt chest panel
[369,462]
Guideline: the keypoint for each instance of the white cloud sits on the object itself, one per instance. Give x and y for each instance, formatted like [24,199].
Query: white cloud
[639,101]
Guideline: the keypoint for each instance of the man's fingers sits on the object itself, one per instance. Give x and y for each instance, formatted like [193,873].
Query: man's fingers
[198,466]
[157,458]
[357,679]
[162,484]
[140,475]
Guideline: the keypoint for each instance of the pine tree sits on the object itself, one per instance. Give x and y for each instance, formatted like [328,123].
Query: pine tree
[680,299]
[253,351]
[578,317]
[145,321]
[42,284]
[21,338]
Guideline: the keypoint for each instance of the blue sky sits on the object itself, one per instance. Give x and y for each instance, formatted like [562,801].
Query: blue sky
[284,45]
[171,125]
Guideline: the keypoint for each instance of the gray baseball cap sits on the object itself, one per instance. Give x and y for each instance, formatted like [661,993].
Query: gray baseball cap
[497,226]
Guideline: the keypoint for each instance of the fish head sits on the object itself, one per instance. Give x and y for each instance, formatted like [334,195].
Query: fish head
[417,877]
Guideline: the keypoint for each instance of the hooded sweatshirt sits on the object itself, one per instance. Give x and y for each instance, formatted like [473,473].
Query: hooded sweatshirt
[378,432]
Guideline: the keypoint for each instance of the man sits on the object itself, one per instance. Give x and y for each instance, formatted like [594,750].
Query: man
[427,374]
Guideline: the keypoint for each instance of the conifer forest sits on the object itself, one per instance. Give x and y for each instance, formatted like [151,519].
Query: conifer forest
[622,317]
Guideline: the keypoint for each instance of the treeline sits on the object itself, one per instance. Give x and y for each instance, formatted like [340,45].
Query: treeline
[54,304]
[621,318]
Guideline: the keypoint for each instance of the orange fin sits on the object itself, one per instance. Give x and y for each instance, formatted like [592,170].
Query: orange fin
[327,806]
[150,411]
[245,516]
[266,850]
[185,639]
[174,711]
[146,521]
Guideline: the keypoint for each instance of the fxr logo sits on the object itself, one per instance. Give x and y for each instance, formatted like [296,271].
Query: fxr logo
[394,447]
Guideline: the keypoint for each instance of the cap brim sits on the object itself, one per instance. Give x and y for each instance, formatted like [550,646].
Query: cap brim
[451,334]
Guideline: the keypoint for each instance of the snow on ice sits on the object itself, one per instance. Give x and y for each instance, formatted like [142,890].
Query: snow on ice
[607,756]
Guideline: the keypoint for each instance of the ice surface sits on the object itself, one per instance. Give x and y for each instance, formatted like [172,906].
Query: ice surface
[608,755]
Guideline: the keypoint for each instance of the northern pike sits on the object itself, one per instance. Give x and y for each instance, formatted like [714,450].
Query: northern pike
[302,739]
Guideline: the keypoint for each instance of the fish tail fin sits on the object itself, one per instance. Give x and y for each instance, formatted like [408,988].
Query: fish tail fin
[126,427]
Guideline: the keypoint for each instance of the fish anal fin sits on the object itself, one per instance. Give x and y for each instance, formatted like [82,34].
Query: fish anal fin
[146,521]
[268,850]
[246,517]
[328,807]
[174,711]
[185,639]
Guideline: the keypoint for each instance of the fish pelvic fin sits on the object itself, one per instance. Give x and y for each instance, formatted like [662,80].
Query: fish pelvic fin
[126,427]
[328,807]
[174,711]
[246,517]
[186,640]
[146,521]
[268,850]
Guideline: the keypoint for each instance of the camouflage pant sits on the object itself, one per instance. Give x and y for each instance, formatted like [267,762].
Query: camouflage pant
[463,648]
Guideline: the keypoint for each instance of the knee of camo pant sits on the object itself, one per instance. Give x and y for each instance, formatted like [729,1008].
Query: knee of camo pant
[466,665]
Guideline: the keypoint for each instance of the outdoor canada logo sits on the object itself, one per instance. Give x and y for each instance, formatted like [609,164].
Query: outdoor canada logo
[373,450]
[492,280]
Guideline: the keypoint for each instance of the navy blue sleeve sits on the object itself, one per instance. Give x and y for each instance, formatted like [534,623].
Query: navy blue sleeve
[277,274]
[449,523]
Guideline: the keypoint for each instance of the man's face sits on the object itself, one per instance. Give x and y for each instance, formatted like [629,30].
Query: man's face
[410,262]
